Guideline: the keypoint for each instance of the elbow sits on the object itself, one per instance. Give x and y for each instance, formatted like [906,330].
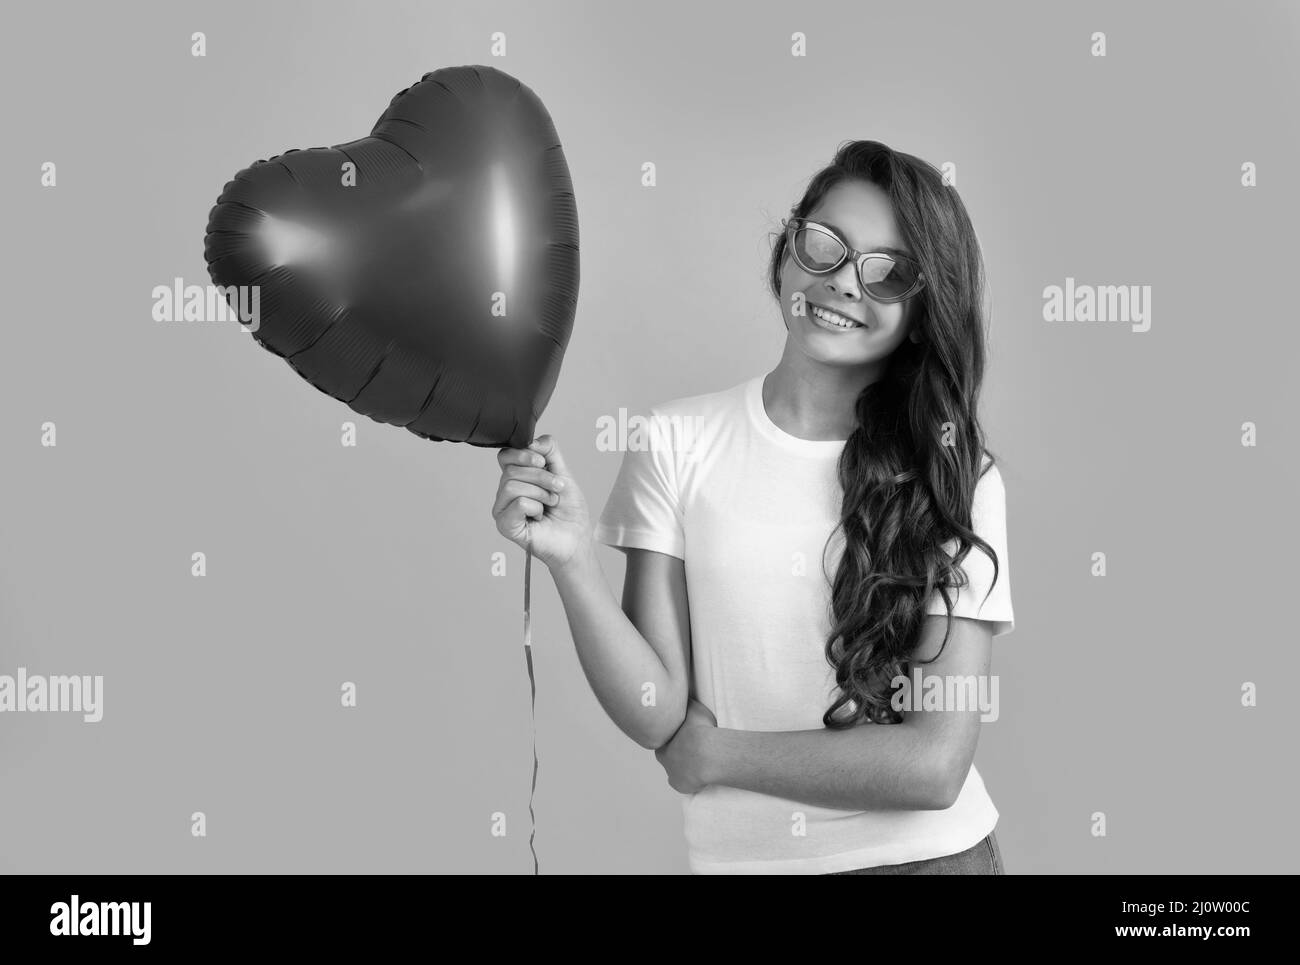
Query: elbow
[940,783]
[654,740]
[661,731]
[942,797]
[651,742]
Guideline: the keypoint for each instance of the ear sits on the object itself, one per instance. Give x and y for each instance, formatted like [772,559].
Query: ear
[914,310]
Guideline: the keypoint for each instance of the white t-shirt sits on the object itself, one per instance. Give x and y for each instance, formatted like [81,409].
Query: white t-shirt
[749,508]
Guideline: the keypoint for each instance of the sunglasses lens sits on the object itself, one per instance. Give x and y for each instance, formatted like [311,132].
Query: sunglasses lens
[816,250]
[884,277]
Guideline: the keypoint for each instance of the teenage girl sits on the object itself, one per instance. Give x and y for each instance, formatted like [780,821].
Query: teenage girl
[804,548]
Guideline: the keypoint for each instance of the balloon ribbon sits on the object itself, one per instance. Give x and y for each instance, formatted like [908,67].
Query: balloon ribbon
[532,685]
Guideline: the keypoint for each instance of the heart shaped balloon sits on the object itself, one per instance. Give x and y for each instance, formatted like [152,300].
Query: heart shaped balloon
[426,275]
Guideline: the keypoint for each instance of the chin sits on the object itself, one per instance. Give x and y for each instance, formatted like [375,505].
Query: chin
[809,337]
[838,358]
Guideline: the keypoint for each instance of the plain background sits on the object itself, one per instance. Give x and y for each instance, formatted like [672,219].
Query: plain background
[373,564]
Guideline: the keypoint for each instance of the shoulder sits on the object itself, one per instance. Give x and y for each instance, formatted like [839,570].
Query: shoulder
[703,422]
[989,505]
[703,403]
[689,434]
[990,478]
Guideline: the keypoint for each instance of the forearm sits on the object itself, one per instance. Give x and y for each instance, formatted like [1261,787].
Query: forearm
[869,767]
[618,661]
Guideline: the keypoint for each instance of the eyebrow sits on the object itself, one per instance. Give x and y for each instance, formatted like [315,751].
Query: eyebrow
[888,249]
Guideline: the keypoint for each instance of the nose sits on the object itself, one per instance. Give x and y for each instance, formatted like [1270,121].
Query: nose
[845,284]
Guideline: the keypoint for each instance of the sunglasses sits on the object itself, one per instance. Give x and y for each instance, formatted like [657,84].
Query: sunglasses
[887,275]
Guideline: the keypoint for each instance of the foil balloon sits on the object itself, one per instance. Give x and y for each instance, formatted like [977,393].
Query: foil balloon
[426,275]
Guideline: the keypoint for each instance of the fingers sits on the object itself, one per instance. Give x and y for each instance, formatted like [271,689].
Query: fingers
[512,520]
[520,476]
[530,507]
[538,477]
[520,457]
[512,489]
[531,480]
[550,449]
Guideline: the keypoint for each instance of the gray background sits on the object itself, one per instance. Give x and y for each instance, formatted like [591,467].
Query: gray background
[1119,694]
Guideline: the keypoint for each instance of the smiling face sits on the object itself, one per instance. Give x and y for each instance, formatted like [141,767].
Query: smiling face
[861,212]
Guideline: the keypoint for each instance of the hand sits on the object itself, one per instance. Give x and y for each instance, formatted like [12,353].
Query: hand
[539,504]
[683,757]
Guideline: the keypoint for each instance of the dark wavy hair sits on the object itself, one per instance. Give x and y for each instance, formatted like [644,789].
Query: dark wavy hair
[910,468]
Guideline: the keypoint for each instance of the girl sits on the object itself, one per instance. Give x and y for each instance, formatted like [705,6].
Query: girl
[806,547]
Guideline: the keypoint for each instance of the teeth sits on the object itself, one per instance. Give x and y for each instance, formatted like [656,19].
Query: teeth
[834,319]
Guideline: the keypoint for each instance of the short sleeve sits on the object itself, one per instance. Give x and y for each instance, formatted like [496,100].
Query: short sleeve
[989,520]
[643,510]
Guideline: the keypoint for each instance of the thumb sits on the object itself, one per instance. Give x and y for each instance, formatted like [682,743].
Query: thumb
[547,447]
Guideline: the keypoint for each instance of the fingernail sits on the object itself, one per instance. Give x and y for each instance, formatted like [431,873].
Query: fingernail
[559,484]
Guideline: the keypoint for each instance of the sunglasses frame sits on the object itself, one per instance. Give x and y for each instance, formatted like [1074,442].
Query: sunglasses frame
[859,258]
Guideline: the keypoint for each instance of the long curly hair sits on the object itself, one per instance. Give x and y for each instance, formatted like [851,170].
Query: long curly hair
[910,467]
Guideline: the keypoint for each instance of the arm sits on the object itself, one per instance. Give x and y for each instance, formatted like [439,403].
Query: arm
[625,655]
[919,764]
[645,642]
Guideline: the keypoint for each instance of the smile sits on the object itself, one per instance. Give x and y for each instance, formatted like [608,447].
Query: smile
[829,319]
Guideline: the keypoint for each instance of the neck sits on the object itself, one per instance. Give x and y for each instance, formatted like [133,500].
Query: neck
[813,401]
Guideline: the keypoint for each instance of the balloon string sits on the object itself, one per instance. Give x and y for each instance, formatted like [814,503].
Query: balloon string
[532,685]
